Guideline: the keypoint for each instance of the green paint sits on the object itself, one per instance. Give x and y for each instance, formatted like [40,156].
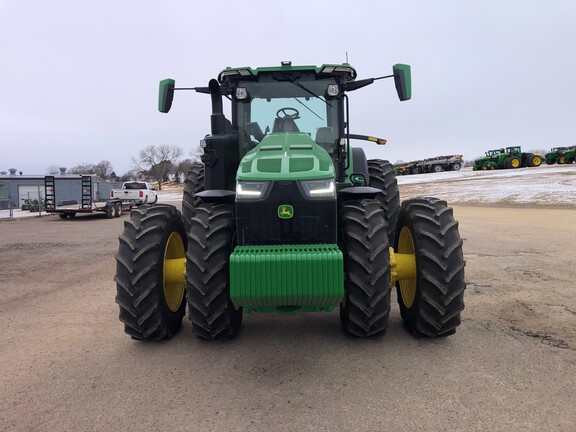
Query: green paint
[286,278]
[286,155]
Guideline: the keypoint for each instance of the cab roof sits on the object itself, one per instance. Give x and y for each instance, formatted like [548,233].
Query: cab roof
[344,71]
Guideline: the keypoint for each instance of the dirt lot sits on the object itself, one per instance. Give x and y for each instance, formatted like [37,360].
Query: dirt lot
[65,363]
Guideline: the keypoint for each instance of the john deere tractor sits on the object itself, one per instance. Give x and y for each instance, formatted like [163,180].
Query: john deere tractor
[561,155]
[285,215]
[511,157]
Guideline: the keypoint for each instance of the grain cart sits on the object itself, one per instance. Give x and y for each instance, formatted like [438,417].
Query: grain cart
[285,215]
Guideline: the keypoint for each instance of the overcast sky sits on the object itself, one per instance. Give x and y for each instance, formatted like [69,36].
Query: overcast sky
[79,79]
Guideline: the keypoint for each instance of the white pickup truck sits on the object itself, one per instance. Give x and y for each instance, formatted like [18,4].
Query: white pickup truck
[136,193]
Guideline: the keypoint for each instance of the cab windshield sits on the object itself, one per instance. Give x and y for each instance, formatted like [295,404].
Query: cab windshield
[287,106]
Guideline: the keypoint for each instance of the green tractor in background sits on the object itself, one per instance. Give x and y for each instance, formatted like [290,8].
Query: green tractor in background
[490,161]
[285,215]
[510,157]
[561,155]
[526,159]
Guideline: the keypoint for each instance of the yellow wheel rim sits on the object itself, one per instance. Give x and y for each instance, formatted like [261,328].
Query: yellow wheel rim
[174,268]
[515,163]
[407,286]
[537,161]
[561,160]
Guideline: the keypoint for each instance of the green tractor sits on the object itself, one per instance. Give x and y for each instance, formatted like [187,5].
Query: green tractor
[561,155]
[285,215]
[510,157]
[490,161]
[526,159]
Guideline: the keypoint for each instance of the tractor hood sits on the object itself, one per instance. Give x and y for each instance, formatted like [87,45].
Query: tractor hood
[286,156]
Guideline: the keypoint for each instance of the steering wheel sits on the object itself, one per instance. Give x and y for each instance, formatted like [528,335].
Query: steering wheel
[288,112]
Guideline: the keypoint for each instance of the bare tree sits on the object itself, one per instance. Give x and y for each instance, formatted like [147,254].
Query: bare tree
[103,169]
[52,170]
[185,165]
[196,153]
[128,176]
[157,161]
[83,168]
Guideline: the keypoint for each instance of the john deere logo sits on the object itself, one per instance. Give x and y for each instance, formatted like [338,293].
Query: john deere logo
[285,211]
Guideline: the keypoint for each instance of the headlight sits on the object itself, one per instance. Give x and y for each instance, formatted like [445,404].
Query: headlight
[251,190]
[319,188]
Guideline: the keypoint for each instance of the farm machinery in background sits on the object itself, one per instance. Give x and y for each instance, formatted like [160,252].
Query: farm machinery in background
[508,158]
[435,164]
[561,155]
[284,215]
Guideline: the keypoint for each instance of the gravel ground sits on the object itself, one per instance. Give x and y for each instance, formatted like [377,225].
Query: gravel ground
[66,364]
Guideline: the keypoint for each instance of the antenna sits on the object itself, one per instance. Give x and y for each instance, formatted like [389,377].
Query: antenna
[346,56]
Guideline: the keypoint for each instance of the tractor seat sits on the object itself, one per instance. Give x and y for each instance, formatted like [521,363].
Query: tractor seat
[325,139]
[285,124]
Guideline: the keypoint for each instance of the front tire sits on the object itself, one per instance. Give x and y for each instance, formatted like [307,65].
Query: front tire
[210,243]
[365,310]
[382,177]
[430,305]
[151,304]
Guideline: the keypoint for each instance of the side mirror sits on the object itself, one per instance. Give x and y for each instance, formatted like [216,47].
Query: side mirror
[165,95]
[403,81]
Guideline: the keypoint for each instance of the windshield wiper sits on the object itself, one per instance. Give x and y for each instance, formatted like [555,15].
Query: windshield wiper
[306,89]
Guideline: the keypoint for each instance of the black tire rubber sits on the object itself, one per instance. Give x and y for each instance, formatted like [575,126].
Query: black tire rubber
[140,273]
[382,177]
[534,161]
[456,167]
[155,199]
[437,168]
[439,285]
[210,243]
[62,215]
[193,184]
[117,209]
[512,159]
[110,212]
[365,310]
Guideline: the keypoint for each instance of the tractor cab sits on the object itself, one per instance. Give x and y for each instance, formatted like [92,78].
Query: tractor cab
[304,107]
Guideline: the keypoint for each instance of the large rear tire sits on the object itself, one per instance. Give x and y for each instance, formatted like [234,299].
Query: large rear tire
[193,184]
[151,305]
[382,177]
[210,243]
[365,309]
[534,161]
[430,305]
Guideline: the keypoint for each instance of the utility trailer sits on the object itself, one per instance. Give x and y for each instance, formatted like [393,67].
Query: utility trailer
[68,196]
[435,164]
[440,163]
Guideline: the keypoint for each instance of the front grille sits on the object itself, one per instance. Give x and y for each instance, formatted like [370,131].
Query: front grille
[313,222]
